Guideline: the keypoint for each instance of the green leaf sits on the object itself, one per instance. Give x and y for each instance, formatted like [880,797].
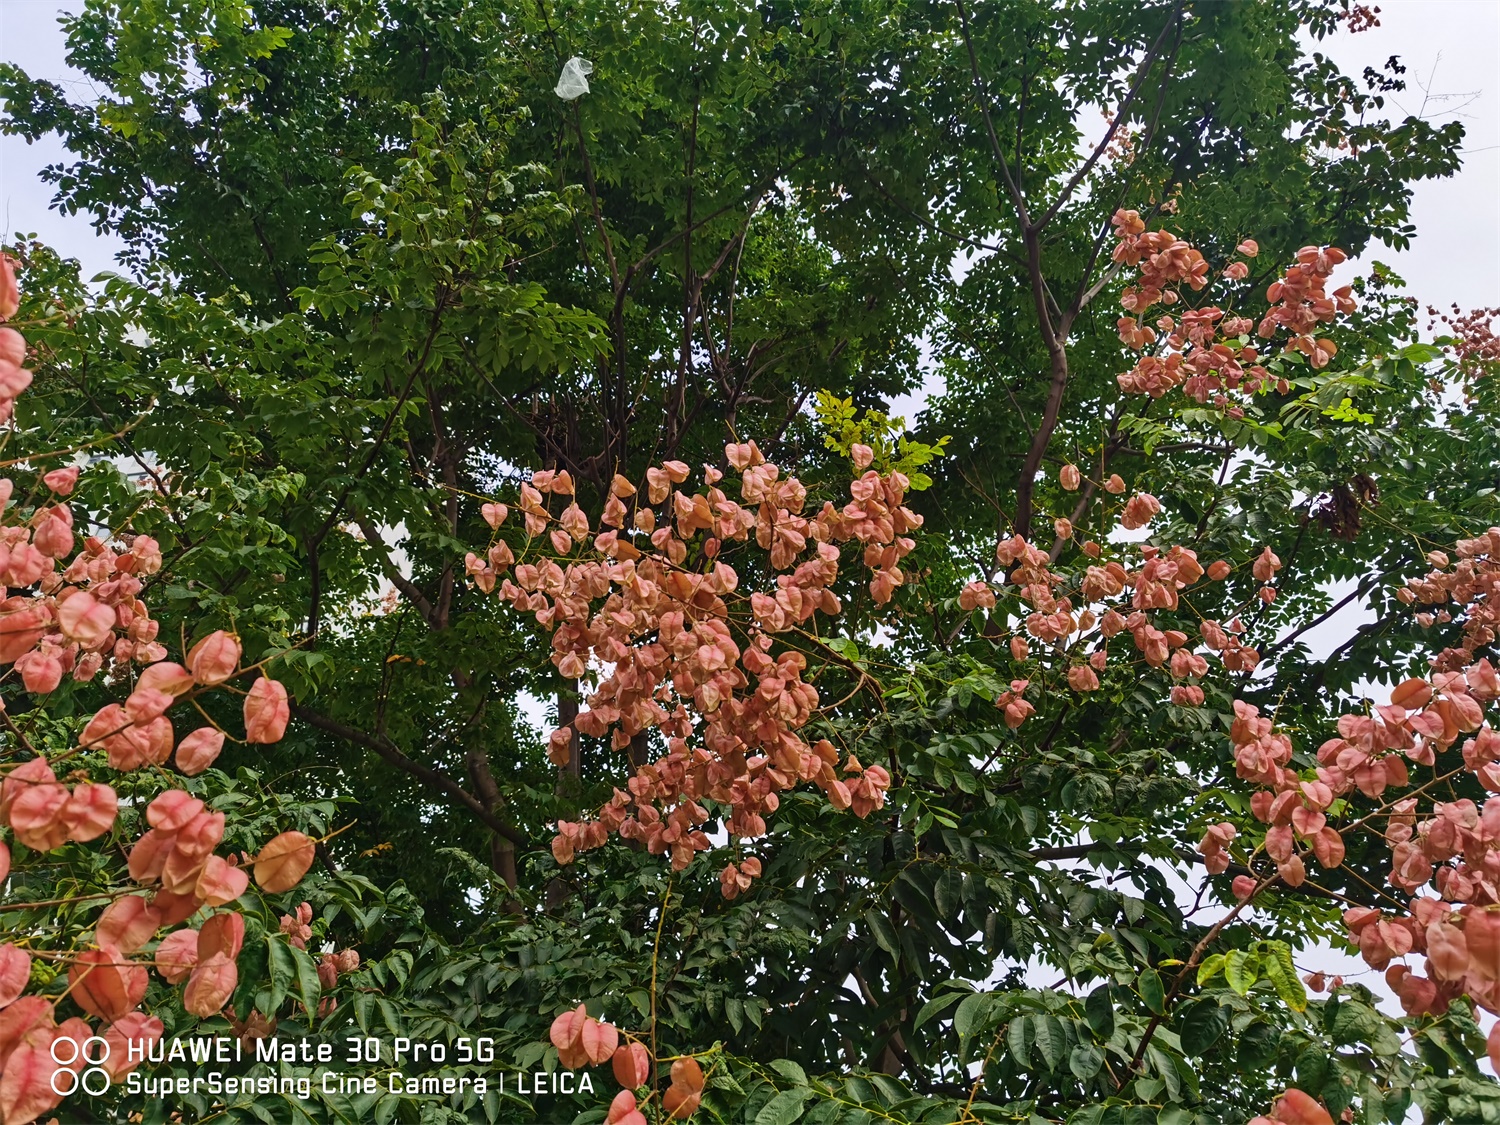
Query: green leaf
[1146,1088]
[1152,990]
[1051,1039]
[1203,1022]
[1241,970]
[254,966]
[788,1069]
[309,987]
[948,893]
[935,1007]
[1100,1011]
[844,647]
[1211,967]
[972,1012]
[883,932]
[1020,1037]
[784,1108]
[1282,973]
[1357,1022]
[1085,1060]
[1313,1067]
[283,971]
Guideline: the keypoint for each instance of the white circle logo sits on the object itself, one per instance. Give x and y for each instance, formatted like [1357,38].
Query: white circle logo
[93,1079]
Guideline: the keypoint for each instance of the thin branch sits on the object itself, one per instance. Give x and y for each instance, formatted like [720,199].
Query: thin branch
[1120,115]
[983,101]
[382,552]
[433,777]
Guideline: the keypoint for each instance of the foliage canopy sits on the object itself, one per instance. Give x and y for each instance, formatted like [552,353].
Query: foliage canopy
[378,276]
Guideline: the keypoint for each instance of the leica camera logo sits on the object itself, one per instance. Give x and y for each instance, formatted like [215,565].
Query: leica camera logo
[80,1066]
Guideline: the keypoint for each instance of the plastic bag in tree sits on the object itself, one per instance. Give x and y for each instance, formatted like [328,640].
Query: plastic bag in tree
[573,82]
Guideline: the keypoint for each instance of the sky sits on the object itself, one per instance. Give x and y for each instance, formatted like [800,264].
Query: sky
[1451,49]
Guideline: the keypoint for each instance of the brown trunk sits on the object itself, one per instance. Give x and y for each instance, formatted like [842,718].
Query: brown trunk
[640,751]
[569,785]
[502,851]
[570,776]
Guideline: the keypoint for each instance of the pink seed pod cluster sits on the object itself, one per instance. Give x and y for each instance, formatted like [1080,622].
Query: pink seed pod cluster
[1445,854]
[651,605]
[582,1041]
[1201,350]
[73,610]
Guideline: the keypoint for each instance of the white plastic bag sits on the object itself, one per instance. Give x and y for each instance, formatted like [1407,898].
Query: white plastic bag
[574,83]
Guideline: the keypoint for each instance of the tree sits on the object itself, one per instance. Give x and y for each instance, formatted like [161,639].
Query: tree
[388,285]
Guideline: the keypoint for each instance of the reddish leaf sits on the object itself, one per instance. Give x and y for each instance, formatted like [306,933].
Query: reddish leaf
[1296,1108]
[687,1074]
[220,883]
[90,811]
[210,986]
[15,973]
[165,676]
[1412,694]
[128,923]
[223,933]
[72,1028]
[104,727]
[174,908]
[199,750]
[266,711]
[632,1065]
[19,1018]
[136,1029]
[26,1088]
[623,1110]
[10,292]
[146,704]
[54,538]
[36,816]
[148,855]
[215,658]
[156,740]
[26,776]
[104,984]
[173,810]
[679,1103]
[85,620]
[20,629]
[200,836]
[567,1037]
[599,1041]
[283,861]
[1482,931]
[177,955]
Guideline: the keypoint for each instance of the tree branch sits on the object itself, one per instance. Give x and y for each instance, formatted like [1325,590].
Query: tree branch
[983,101]
[434,778]
[1081,851]
[1120,115]
[407,587]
